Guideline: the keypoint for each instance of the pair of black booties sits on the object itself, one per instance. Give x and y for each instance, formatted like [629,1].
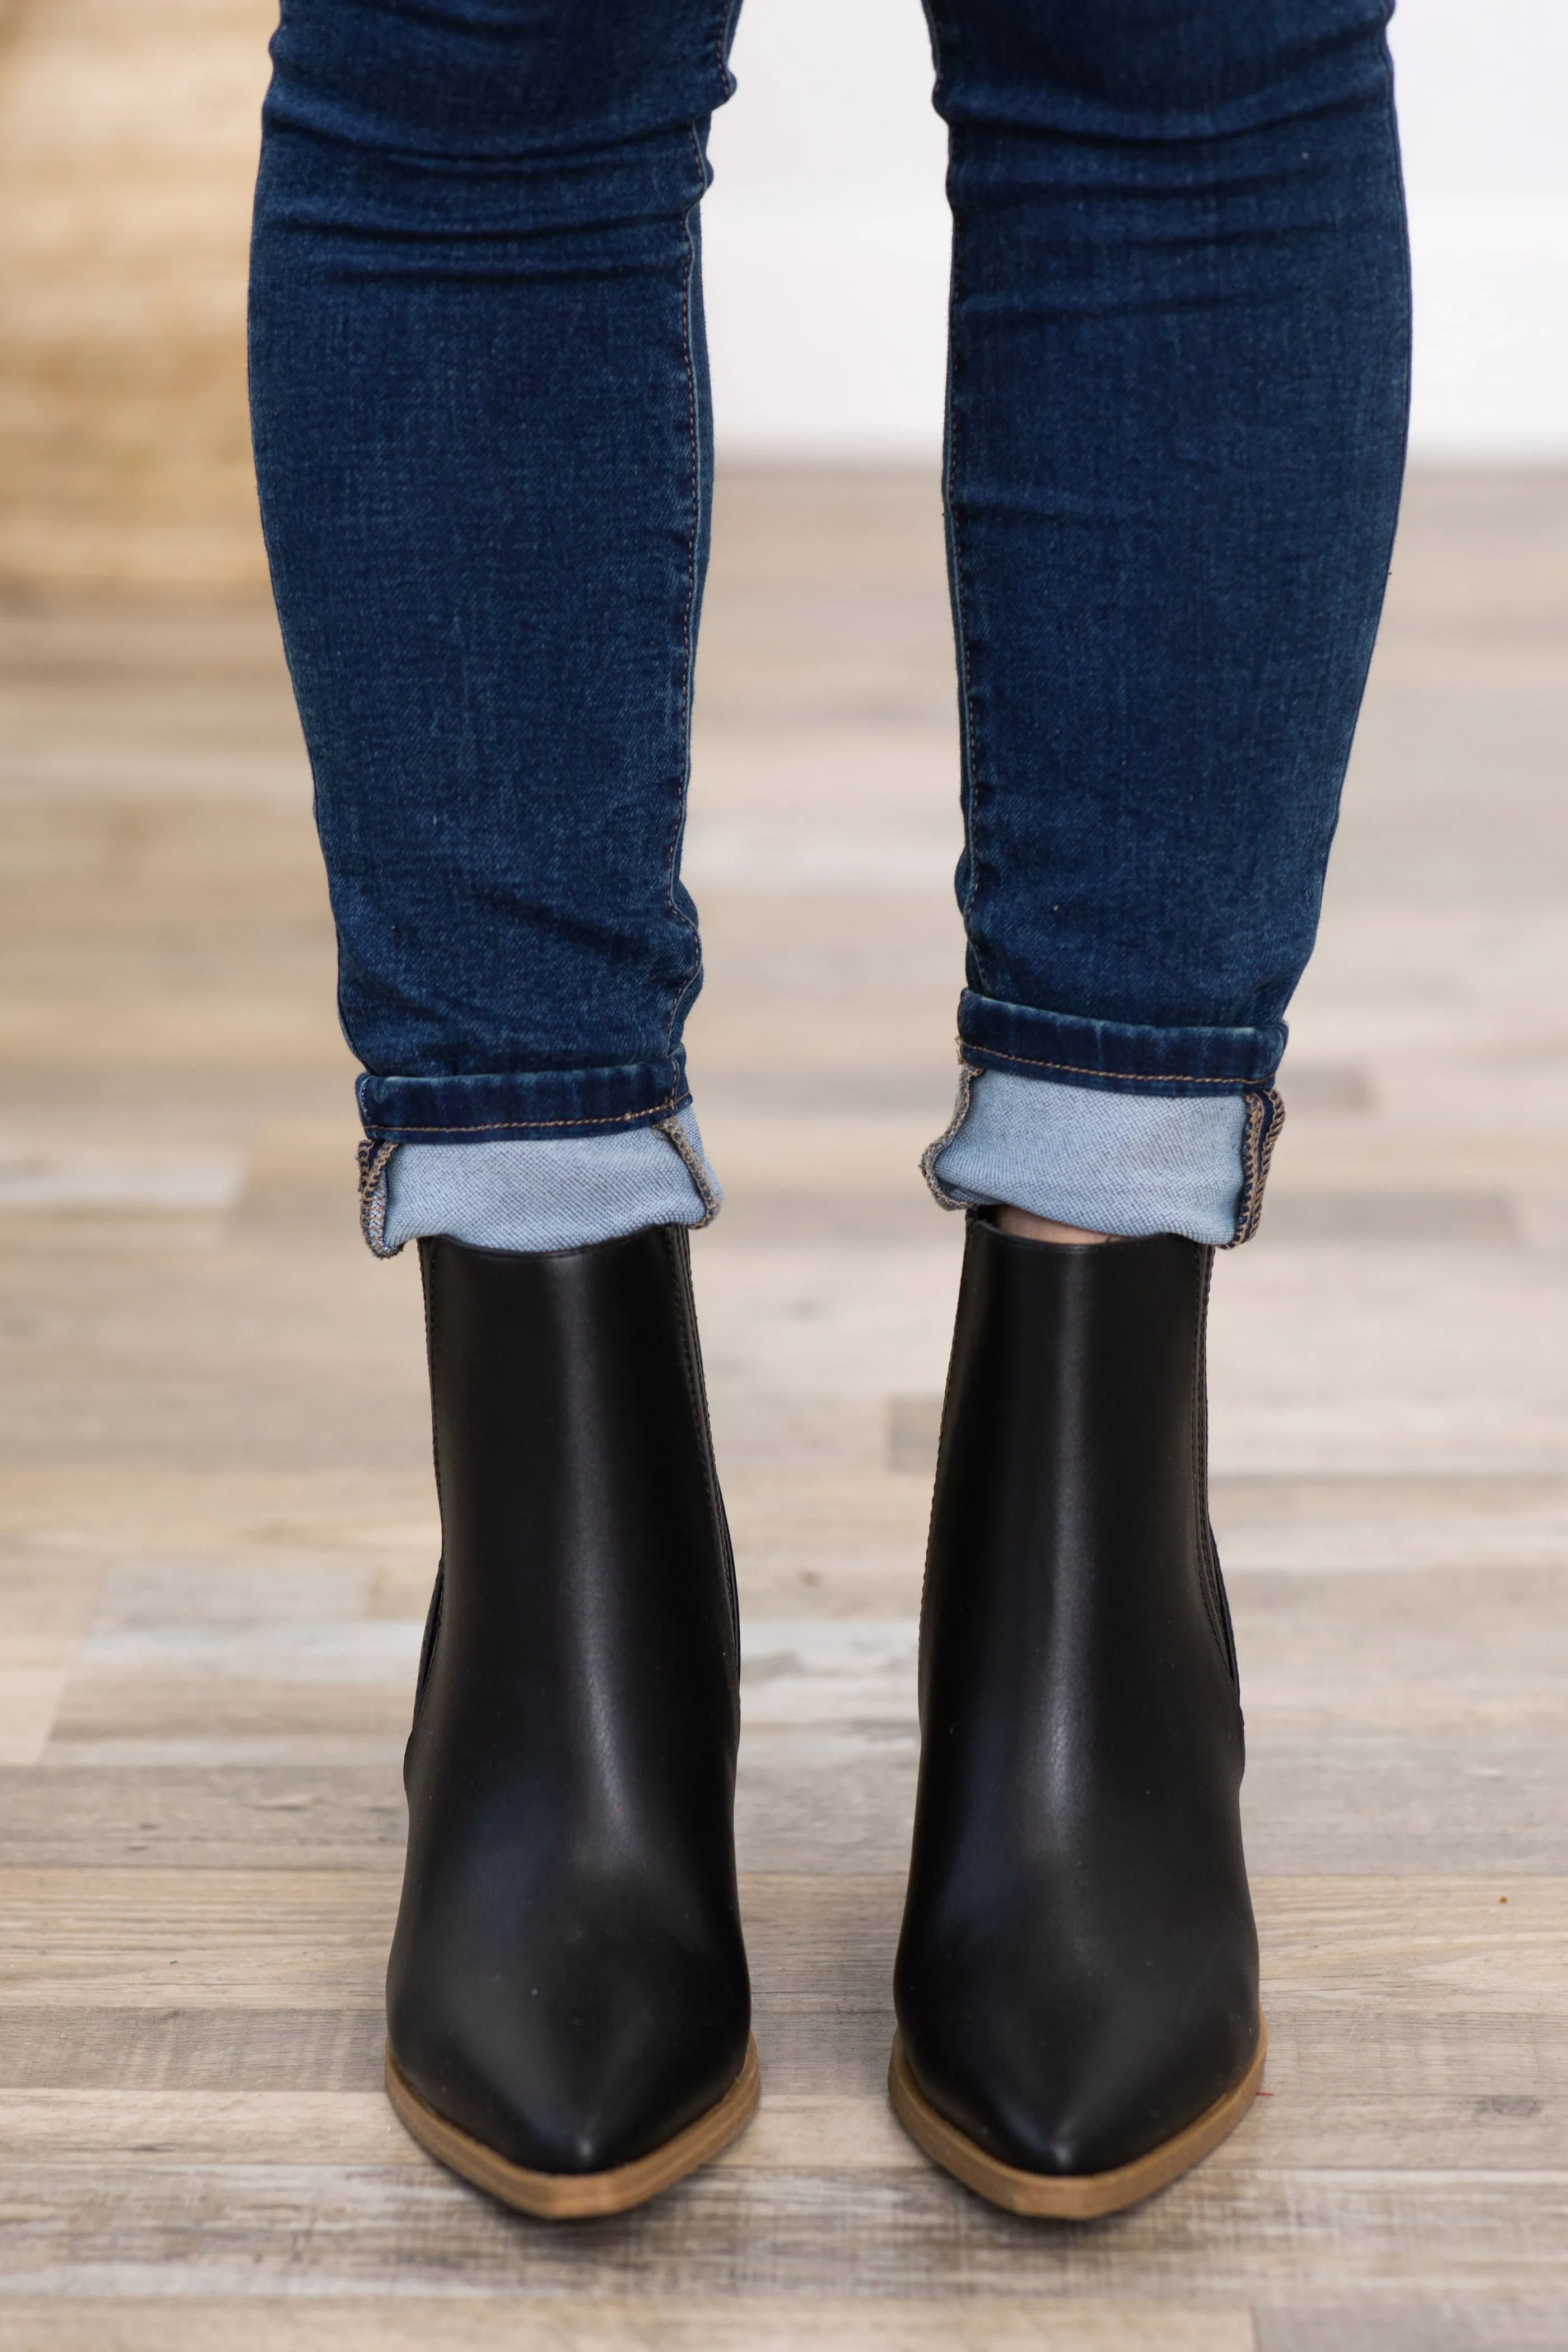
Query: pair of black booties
[1075,1984]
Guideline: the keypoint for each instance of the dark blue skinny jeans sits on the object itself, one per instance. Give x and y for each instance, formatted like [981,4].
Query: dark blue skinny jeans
[1176,411]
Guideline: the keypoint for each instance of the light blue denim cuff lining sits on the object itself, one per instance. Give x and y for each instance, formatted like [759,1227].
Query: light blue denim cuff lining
[1114,1163]
[550,1194]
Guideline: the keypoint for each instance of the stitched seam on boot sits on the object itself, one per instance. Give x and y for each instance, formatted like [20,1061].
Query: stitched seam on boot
[1208,1565]
[428,1647]
[948,1393]
[677,1250]
[438,1597]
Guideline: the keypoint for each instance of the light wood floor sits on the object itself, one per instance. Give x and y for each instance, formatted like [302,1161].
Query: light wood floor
[218,1533]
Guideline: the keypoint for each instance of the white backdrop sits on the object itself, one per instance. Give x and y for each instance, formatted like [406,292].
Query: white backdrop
[826,232]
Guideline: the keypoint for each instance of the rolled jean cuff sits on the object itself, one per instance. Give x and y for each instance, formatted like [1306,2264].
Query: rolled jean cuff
[1116,1056]
[559,1193]
[502,1106]
[1111,1163]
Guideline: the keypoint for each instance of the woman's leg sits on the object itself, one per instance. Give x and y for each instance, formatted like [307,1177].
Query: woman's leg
[1176,428]
[482,441]
[1175,439]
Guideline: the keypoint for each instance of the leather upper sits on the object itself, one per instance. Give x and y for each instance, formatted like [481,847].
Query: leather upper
[567,1981]
[1076,1978]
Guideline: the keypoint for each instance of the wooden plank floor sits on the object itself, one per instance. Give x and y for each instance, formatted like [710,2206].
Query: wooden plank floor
[216,1528]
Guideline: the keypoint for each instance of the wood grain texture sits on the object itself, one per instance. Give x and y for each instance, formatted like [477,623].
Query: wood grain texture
[222,2230]
[217,1532]
[603,2324]
[176,2048]
[1318,2117]
[827,1800]
[1453,2321]
[265,1938]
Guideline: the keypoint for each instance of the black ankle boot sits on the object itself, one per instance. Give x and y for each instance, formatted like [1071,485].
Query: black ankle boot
[568,2006]
[1077,1979]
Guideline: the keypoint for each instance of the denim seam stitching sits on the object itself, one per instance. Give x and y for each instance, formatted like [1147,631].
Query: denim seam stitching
[1265,1117]
[1200,1459]
[1134,1077]
[721,47]
[1391,132]
[690,1159]
[959,612]
[933,1151]
[683,995]
[485,1125]
[375,1159]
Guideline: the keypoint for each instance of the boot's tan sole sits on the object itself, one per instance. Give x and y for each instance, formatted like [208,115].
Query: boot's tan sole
[1066,2197]
[576,2196]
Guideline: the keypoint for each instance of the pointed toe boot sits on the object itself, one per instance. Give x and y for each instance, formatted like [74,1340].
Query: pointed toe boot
[1077,1977]
[568,2006]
